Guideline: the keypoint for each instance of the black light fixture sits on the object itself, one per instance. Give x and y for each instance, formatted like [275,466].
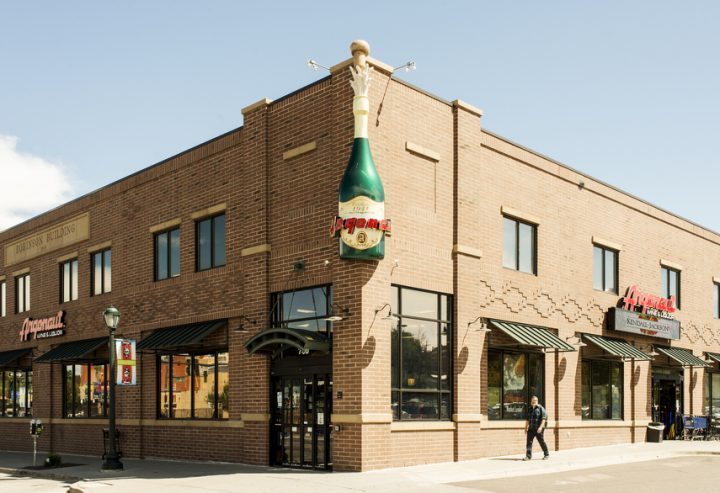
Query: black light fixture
[111,460]
[483,325]
[390,315]
[337,315]
[576,341]
[244,318]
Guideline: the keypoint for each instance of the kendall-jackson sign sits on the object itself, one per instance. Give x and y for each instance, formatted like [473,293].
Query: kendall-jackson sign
[646,314]
[42,328]
[54,238]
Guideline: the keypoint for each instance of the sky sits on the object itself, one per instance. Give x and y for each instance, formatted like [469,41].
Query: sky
[626,92]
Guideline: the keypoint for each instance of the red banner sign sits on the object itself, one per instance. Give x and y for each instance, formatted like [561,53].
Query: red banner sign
[42,328]
[637,300]
[352,223]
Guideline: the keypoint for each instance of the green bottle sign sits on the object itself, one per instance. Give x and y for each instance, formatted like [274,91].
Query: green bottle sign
[361,224]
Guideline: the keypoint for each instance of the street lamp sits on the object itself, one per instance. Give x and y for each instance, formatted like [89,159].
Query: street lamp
[112,461]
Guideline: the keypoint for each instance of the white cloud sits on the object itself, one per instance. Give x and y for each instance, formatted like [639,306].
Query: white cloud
[29,184]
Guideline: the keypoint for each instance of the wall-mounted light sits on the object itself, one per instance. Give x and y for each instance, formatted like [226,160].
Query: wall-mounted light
[408,67]
[299,266]
[337,315]
[390,315]
[241,327]
[313,65]
[482,325]
[576,341]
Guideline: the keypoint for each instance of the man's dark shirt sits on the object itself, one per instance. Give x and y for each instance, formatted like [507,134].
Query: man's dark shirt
[535,416]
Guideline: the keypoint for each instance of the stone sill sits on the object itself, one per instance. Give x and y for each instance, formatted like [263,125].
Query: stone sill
[422,426]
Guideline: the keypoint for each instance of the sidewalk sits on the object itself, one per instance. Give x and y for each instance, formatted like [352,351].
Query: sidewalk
[163,476]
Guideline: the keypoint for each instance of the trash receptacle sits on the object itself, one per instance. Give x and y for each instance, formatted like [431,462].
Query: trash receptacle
[655,432]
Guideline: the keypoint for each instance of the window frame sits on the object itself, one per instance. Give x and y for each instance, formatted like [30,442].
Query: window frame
[102,272]
[3,298]
[192,355]
[611,364]
[28,393]
[616,275]
[70,262]
[278,308]
[501,351]
[439,392]
[156,267]
[534,251]
[709,398]
[198,222]
[106,383]
[716,300]
[25,278]
[665,271]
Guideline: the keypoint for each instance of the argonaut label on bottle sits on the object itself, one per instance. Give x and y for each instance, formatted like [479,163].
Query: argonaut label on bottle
[360,223]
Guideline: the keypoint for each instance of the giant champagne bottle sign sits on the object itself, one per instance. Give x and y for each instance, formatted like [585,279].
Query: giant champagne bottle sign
[361,224]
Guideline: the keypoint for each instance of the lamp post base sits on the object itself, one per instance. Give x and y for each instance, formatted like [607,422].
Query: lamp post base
[111,464]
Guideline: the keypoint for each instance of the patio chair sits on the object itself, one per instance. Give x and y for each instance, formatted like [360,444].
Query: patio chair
[700,428]
[688,427]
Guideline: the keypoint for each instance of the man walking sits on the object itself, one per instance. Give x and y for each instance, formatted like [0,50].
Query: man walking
[534,427]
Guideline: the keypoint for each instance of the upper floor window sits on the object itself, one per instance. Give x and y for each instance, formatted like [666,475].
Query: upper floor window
[421,342]
[306,309]
[716,300]
[605,269]
[210,242]
[22,293]
[670,284]
[519,245]
[101,272]
[16,393]
[194,386]
[68,281]
[3,299]
[85,390]
[167,254]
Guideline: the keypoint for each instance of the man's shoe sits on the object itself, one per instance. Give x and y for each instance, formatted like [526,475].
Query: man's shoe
[527,458]
[546,457]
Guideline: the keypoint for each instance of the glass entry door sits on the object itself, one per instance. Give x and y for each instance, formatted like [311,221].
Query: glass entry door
[301,421]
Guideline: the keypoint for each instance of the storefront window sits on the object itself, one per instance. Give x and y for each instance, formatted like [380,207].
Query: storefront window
[85,390]
[304,309]
[513,378]
[602,390]
[193,386]
[712,394]
[16,393]
[420,362]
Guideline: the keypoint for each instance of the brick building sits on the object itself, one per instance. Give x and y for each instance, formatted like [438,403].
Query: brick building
[505,277]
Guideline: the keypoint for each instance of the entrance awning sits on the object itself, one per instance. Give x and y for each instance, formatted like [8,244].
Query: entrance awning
[7,357]
[529,335]
[621,349]
[714,356]
[72,350]
[182,335]
[682,356]
[276,339]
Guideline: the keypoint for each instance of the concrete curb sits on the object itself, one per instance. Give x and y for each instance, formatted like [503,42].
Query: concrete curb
[40,474]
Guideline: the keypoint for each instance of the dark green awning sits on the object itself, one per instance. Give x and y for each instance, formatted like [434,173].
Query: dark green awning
[182,335]
[714,356]
[72,350]
[8,357]
[530,335]
[275,340]
[682,356]
[621,349]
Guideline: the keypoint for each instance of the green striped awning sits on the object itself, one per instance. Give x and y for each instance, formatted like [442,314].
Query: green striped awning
[714,356]
[621,349]
[72,350]
[180,336]
[7,357]
[530,335]
[682,356]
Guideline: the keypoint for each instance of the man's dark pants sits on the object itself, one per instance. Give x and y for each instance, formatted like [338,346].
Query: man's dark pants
[531,434]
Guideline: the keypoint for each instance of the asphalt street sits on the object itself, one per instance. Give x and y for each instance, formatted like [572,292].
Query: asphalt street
[696,474]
